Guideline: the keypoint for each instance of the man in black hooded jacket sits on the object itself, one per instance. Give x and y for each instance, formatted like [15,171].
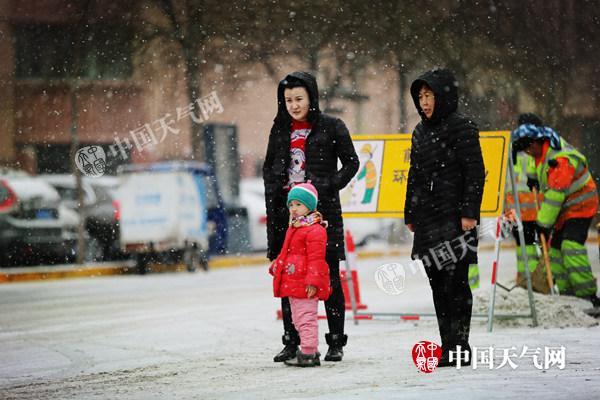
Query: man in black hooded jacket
[445,187]
[327,141]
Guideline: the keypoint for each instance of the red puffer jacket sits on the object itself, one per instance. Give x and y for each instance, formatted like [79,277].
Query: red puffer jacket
[302,263]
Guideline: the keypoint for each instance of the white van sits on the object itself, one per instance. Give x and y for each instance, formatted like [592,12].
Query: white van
[163,209]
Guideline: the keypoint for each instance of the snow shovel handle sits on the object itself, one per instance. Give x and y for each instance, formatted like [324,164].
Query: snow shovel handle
[549,276]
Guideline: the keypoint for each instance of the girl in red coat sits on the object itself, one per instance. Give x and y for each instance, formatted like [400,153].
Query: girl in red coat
[301,273]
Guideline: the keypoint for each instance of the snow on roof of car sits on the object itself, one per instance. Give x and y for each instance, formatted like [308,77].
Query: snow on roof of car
[26,186]
[66,180]
[190,166]
[106,181]
[8,172]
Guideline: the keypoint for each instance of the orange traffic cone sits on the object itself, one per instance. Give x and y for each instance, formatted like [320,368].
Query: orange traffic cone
[351,261]
[348,303]
[350,249]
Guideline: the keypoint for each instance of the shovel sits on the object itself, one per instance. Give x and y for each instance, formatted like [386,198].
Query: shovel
[546,257]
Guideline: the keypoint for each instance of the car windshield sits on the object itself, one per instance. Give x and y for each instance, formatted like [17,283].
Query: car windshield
[67,193]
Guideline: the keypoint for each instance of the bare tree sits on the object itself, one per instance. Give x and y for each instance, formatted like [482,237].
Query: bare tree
[189,26]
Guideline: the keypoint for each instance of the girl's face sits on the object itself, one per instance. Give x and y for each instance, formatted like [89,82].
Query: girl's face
[297,103]
[298,209]
[427,101]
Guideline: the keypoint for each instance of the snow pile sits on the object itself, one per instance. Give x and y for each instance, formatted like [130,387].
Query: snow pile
[552,311]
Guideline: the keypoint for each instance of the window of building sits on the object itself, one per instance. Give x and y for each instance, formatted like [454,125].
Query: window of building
[56,159]
[48,52]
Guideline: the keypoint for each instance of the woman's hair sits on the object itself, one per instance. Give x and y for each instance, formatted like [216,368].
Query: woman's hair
[426,87]
[293,83]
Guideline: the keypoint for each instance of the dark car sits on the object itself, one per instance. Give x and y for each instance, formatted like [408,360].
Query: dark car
[100,212]
[34,228]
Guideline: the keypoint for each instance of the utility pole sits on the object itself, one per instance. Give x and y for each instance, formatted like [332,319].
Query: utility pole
[74,84]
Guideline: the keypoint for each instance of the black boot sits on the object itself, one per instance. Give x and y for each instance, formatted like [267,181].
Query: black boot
[445,360]
[336,344]
[291,343]
[304,360]
[595,301]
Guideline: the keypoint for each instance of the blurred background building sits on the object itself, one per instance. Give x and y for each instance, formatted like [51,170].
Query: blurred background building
[115,66]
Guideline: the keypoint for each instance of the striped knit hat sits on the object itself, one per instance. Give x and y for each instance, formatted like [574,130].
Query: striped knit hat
[306,194]
[525,134]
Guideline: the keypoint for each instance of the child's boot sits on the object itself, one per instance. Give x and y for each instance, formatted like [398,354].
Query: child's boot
[304,360]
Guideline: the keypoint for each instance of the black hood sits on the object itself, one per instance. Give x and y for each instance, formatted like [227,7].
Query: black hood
[444,87]
[310,83]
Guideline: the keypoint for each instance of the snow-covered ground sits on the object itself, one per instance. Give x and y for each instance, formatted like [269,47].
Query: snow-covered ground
[213,335]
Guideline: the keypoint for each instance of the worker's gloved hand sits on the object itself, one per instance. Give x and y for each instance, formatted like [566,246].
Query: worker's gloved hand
[510,214]
[543,230]
[533,183]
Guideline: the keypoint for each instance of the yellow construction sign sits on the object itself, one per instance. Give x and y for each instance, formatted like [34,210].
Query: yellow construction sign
[379,188]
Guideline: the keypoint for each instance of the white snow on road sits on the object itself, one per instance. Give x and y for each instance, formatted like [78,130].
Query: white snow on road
[213,335]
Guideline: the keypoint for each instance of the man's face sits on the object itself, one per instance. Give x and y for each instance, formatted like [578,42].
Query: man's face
[427,101]
[297,103]
[535,149]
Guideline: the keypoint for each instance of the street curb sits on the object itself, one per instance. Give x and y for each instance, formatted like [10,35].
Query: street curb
[77,272]
[13,275]
[46,273]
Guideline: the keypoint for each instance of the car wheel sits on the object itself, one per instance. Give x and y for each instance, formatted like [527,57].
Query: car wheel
[142,261]
[195,257]
[203,259]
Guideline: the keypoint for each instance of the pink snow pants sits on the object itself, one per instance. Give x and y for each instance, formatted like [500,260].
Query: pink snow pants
[304,316]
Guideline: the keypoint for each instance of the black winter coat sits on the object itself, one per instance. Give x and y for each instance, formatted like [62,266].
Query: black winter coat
[446,176]
[328,141]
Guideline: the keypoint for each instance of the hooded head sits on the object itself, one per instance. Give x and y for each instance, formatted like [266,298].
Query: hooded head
[445,89]
[296,79]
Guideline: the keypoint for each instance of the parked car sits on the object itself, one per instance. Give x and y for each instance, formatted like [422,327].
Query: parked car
[99,210]
[34,227]
[369,230]
[102,218]
[364,230]
[168,209]
[252,196]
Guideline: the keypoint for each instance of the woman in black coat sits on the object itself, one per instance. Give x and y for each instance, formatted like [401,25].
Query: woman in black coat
[327,142]
[445,187]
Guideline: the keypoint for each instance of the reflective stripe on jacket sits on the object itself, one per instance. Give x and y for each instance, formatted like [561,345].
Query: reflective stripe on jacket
[576,199]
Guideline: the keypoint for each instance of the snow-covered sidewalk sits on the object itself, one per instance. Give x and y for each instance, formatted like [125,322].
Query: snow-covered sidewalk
[213,335]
